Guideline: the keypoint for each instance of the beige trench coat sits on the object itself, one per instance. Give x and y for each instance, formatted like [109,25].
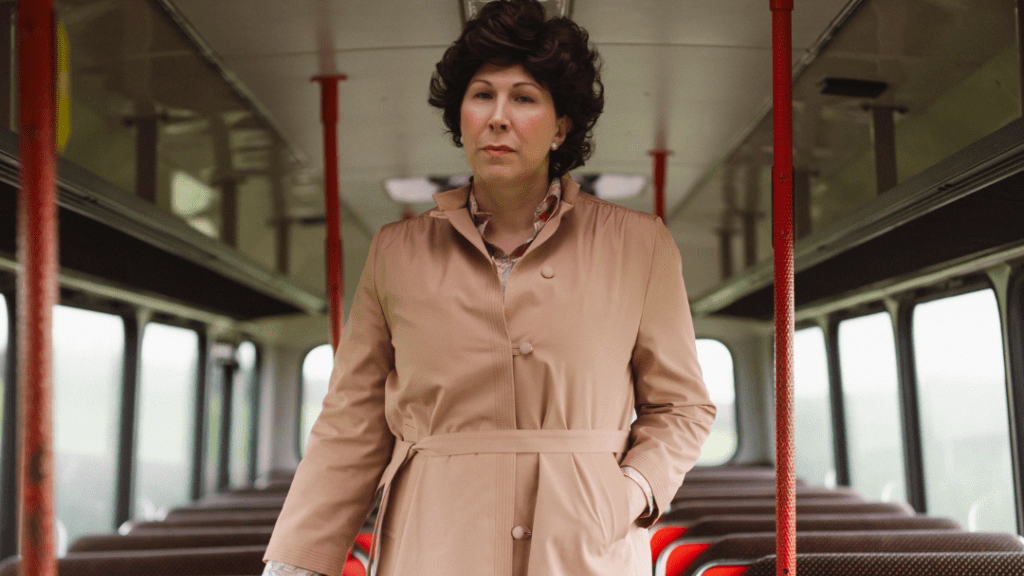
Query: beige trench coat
[480,413]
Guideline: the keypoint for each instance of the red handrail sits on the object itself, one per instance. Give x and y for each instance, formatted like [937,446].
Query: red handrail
[335,279]
[782,244]
[659,181]
[37,281]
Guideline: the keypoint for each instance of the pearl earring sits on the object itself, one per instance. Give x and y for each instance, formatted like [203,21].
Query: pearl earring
[554,146]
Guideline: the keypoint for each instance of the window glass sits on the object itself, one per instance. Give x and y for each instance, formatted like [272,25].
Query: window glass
[242,401]
[815,454]
[316,372]
[88,353]
[871,402]
[3,372]
[719,377]
[961,382]
[167,385]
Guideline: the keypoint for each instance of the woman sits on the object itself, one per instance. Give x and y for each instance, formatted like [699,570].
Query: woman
[498,345]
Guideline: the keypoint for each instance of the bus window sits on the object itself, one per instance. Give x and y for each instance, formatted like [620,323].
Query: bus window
[961,387]
[3,372]
[167,386]
[88,354]
[243,397]
[316,372]
[871,404]
[716,364]
[812,422]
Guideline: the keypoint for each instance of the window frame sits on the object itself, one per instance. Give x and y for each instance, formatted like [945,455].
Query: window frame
[1013,330]
[958,286]
[902,310]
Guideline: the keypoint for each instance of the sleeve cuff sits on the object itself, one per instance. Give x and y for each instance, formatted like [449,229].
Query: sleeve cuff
[280,569]
[635,475]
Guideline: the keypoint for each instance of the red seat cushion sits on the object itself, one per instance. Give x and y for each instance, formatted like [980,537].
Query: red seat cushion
[664,536]
[364,540]
[680,558]
[353,567]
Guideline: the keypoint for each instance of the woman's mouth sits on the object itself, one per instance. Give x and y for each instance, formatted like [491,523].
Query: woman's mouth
[496,151]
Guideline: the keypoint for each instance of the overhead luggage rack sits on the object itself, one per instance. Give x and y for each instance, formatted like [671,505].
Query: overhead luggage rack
[159,253]
[941,221]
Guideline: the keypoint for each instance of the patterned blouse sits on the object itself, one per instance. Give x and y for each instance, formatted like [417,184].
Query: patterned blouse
[505,262]
[543,212]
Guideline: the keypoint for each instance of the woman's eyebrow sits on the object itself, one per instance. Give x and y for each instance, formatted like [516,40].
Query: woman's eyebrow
[516,85]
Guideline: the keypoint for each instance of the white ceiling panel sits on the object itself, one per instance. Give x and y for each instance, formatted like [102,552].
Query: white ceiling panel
[267,27]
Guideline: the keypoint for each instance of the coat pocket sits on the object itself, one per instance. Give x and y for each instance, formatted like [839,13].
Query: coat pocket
[617,490]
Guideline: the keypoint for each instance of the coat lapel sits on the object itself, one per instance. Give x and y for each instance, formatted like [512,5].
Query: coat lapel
[451,204]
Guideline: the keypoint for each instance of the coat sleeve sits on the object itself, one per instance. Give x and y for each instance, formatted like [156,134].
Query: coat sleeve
[674,411]
[349,445]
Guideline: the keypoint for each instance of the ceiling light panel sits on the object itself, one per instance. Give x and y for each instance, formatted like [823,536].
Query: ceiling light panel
[553,8]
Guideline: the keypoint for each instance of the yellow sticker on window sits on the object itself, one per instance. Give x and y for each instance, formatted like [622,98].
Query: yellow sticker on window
[63,88]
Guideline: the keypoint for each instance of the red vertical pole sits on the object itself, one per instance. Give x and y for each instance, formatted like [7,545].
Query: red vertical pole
[329,117]
[37,282]
[782,244]
[659,181]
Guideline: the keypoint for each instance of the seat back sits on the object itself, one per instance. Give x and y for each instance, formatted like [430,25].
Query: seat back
[691,509]
[708,491]
[160,529]
[684,557]
[221,518]
[895,564]
[732,524]
[133,541]
[228,561]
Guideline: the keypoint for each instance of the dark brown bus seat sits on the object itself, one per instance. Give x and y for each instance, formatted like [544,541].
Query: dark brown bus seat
[899,564]
[707,491]
[721,525]
[686,556]
[691,509]
[229,561]
[111,542]
[222,518]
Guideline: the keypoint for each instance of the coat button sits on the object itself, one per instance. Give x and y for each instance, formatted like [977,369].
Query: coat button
[519,533]
[525,348]
[547,271]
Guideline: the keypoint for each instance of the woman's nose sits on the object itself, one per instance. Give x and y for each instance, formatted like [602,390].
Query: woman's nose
[499,121]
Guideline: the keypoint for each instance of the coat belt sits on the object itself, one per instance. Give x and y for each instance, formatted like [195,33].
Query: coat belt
[489,442]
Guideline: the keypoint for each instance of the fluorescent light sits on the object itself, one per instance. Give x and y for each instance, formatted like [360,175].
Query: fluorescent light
[553,8]
[189,196]
[611,186]
[412,190]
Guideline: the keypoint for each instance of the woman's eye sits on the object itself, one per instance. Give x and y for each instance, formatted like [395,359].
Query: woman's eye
[525,99]
[483,95]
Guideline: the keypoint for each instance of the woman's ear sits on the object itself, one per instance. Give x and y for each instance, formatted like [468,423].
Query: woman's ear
[564,125]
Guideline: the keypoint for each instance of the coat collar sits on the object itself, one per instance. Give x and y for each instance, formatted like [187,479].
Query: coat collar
[451,204]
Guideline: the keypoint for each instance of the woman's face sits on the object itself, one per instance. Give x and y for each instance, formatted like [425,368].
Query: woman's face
[508,126]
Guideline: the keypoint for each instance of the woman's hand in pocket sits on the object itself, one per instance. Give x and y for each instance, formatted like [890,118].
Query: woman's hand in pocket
[637,499]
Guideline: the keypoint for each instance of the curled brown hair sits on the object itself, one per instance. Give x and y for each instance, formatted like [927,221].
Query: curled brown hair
[555,52]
